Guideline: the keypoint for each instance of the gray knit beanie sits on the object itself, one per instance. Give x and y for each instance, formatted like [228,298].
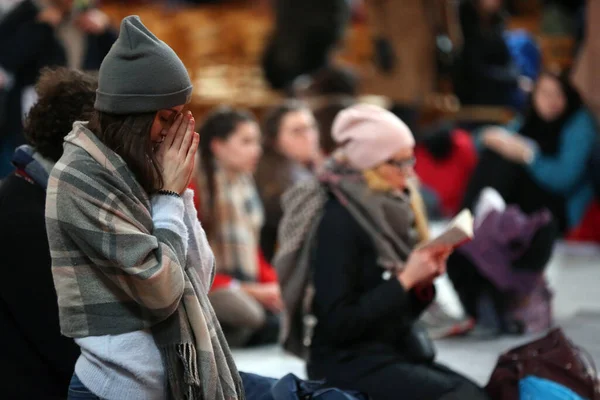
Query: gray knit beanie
[141,73]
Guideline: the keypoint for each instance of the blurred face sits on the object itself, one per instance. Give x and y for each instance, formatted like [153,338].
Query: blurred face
[548,98]
[398,169]
[298,137]
[491,6]
[162,122]
[240,152]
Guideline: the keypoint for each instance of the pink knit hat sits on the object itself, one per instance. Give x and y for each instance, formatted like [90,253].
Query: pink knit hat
[370,135]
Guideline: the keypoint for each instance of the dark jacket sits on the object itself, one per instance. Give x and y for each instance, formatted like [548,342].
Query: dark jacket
[27,46]
[36,362]
[485,72]
[359,313]
[304,35]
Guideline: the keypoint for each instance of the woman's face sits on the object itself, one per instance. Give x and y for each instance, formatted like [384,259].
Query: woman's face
[298,136]
[399,169]
[241,151]
[162,122]
[549,99]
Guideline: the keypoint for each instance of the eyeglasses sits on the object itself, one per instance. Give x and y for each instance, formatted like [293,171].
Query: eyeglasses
[403,164]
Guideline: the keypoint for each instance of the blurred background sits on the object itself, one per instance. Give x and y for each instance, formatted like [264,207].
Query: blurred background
[450,69]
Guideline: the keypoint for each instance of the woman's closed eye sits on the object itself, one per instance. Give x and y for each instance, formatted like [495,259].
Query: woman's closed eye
[166,119]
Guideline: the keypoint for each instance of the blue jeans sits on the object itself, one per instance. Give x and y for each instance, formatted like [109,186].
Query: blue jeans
[256,388]
[77,391]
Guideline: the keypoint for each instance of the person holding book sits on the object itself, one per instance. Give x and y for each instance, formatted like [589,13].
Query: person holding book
[354,232]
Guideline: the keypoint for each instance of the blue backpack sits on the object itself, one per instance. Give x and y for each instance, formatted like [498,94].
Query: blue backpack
[534,388]
[526,55]
[525,52]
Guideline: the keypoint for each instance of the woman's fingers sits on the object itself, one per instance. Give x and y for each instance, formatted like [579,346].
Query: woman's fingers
[172,132]
[187,138]
[182,130]
[190,157]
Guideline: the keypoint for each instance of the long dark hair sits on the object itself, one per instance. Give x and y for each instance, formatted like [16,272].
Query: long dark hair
[547,133]
[129,137]
[221,123]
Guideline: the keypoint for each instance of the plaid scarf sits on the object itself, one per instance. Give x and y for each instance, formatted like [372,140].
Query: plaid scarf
[235,226]
[387,217]
[115,272]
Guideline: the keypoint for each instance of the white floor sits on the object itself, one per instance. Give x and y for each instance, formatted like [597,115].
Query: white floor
[574,275]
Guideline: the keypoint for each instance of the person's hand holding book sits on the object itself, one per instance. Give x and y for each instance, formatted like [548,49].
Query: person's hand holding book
[424,265]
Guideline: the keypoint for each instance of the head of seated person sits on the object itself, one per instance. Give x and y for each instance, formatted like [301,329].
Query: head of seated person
[229,152]
[376,143]
[64,96]
[553,102]
[291,133]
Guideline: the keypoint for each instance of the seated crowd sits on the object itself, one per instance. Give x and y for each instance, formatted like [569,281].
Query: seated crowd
[150,242]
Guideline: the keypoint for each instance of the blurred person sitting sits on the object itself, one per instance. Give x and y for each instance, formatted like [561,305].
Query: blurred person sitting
[499,275]
[245,294]
[541,159]
[37,34]
[37,360]
[348,242]
[291,149]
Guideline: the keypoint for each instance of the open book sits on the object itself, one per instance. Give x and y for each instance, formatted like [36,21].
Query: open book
[459,230]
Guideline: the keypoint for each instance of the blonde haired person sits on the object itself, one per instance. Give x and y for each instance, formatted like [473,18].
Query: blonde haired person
[370,285]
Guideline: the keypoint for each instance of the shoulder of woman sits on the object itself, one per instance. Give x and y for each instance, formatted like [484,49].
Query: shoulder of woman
[582,120]
[76,164]
[336,214]
[82,178]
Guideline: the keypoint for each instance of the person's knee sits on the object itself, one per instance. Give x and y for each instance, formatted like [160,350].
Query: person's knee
[256,316]
[237,309]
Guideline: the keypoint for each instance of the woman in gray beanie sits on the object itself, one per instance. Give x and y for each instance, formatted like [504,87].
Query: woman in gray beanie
[130,261]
